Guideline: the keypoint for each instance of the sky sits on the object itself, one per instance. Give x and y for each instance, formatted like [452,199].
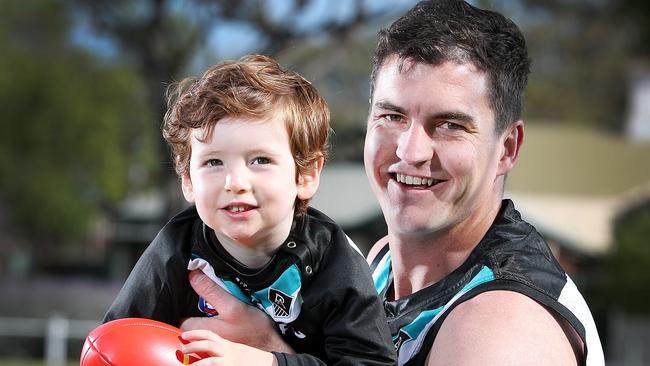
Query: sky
[233,39]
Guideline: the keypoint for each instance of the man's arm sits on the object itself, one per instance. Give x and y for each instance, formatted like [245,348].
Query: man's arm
[502,328]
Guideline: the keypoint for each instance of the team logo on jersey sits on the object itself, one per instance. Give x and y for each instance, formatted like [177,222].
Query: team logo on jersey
[206,308]
[402,337]
[281,303]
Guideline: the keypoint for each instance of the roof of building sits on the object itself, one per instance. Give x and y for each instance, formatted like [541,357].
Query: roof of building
[560,159]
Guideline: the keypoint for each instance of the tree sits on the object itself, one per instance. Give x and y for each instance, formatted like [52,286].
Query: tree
[70,130]
[626,284]
[580,52]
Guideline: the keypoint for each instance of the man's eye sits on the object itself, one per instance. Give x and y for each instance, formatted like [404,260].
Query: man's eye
[452,126]
[213,162]
[261,160]
[393,117]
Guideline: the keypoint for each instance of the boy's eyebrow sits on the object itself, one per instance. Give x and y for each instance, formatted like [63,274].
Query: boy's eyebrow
[261,151]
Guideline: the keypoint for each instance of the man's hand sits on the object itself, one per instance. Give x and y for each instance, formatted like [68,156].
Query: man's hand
[236,322]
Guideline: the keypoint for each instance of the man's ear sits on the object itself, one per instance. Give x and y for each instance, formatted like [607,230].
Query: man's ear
[188,189]
[309,180]
[511,142]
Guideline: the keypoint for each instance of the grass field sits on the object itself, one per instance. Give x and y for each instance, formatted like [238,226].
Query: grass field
[28,362]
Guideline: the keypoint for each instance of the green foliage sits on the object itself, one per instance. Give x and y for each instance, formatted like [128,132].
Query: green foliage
[628,275]
[636,13]
[72,125]
[579,66]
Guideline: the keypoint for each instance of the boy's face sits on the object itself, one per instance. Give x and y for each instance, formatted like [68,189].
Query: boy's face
[243,180]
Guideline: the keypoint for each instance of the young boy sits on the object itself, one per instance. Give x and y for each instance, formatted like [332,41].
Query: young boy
[249,140]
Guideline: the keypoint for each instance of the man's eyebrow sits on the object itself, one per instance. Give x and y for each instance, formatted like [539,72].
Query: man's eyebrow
[455,116]
[446,115]
[389,106]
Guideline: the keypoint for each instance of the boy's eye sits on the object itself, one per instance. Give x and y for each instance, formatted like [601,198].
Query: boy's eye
[261,160]
[214,162]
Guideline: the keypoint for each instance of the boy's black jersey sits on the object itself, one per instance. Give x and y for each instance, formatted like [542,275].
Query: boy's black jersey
[317,288]
[511,256]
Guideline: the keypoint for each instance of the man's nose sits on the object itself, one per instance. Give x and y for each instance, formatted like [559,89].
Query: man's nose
[415,145]
[237,181]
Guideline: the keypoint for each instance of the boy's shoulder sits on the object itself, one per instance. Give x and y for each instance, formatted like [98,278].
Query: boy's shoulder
[319,216]
[182,221]
[342,269]
[325,237]
[176,235]
[319,231]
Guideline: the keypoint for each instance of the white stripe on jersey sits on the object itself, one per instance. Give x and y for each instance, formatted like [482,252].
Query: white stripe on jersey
[573,300]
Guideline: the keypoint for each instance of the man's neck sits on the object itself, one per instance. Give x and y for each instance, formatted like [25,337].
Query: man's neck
[419,261]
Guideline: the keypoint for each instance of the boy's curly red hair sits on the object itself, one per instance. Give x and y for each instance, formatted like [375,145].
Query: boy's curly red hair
[254,86]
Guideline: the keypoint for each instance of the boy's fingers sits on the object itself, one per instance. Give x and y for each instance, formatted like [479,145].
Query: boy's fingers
[203,346]
[201,334]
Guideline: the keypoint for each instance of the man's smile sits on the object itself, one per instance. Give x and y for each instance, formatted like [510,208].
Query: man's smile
[415,181]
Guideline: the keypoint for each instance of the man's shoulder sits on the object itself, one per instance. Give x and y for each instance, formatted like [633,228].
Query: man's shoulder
[376,249]
[501,327]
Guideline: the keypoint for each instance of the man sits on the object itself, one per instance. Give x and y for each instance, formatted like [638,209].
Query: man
[464,279]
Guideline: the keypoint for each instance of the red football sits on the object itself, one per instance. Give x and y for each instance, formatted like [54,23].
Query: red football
[133,341]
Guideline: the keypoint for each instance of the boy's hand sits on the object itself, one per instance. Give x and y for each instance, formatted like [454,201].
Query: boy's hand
[222,351]
[236,322]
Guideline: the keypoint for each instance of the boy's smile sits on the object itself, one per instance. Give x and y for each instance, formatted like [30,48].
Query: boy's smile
[239,211]
[238,207]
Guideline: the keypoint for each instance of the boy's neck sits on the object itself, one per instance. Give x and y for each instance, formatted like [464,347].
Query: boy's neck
[251,257]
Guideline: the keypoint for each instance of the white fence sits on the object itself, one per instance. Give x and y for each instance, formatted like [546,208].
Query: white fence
[55,331]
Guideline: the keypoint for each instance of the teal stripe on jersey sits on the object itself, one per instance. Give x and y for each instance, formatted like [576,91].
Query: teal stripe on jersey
[236,291]
[414,329]
[288,283]
[381,273]
[484,275]
[410,337]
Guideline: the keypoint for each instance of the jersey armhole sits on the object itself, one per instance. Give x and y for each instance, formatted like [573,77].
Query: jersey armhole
[378,257]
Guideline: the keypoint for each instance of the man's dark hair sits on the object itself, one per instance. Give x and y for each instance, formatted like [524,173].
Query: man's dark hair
[437,31]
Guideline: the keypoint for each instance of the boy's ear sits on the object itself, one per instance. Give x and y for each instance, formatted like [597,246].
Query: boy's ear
[512,140]
[188,190]
[308,181]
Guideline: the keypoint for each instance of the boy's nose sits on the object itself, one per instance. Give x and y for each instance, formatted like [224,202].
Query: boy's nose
[237,182]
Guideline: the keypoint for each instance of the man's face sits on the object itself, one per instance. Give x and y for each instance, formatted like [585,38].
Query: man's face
[431,153]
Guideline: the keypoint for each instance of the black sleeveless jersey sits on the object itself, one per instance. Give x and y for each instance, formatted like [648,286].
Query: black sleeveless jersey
[512,256]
